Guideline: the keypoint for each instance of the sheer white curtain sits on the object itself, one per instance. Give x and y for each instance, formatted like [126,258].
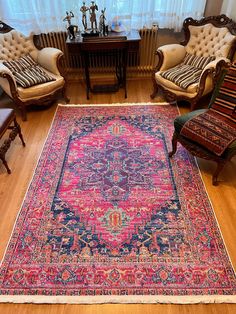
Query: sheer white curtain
[166,13]
[229,8]
[47,15]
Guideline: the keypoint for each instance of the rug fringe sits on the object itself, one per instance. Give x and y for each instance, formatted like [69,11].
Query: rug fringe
[119,299]
[119,104]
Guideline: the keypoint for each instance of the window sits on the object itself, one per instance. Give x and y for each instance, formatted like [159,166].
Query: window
[44,16]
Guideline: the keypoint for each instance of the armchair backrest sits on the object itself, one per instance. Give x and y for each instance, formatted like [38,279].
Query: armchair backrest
[13,45]
[211,36]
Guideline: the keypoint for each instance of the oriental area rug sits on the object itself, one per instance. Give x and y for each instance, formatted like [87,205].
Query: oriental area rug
[109,218]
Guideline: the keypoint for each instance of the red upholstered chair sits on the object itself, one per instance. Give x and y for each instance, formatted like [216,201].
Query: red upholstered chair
[211,133]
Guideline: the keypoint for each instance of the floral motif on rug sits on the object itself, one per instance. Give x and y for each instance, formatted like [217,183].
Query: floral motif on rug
[108,214]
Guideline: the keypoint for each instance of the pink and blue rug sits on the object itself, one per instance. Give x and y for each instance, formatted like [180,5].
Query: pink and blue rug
[108,217]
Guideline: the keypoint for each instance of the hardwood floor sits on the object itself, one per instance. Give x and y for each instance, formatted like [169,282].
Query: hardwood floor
[22,162]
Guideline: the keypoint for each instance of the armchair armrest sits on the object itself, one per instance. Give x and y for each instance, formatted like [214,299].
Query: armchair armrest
[216,62]
[170,56]
[7,80]
[211,73]
[48,58]
[215,67]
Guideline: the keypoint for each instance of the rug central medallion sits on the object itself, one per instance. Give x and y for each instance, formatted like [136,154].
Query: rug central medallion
[120,167]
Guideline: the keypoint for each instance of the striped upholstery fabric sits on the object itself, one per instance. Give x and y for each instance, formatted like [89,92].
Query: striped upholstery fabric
[27,72]
[215,129]
[188,72]
[197,61]
[183,75]
[224,102]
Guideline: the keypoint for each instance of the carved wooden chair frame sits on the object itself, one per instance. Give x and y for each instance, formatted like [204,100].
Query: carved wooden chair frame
[217,21]
[43,100]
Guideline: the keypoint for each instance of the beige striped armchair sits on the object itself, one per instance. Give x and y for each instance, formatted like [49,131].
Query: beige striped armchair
[18,56]
[190,70]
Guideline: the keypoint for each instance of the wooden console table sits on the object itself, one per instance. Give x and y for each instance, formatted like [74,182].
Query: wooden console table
[119,44]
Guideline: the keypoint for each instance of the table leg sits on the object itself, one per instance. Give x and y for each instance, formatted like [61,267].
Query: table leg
[18,128]
[125,58]
[119,68]
[86,69]
[3,149]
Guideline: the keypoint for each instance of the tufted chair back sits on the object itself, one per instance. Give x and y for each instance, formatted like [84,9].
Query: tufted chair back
[208,40]
[209,46]
[13,45]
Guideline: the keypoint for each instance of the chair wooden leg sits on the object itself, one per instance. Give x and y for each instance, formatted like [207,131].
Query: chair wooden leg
[193,105]
[15,130]
[220,166]
[23,112]
[17,126]
[155,90]
[3,149]
[174,144]
[5,164]
[67,100]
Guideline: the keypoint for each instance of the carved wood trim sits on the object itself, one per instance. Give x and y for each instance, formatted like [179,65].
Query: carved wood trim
[160,55]
[37,43]
[221,65]
[4,28]
[155,87]
[13,89]
[218,21]
[60,67]
[44,100]
[15,130]
[232,50]
[171,96]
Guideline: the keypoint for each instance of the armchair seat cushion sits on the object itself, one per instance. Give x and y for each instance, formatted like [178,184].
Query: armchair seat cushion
[183,75]
[191,89]
[181,120]
[188,72]
[27,72]
[190,92]
[40,90]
